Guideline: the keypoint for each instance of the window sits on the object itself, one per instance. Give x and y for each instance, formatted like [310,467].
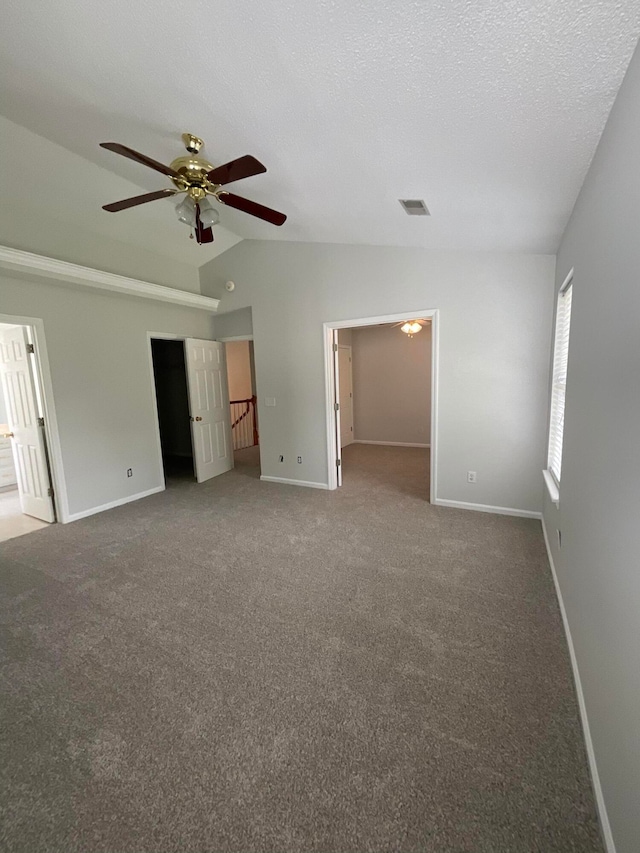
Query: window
[559,380]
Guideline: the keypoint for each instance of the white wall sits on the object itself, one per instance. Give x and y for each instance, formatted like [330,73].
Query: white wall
[239,370]
[598,565]
[495,310]
[102,381]
[391,385]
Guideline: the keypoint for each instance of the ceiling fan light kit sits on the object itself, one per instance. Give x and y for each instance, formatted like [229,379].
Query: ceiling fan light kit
[411,327]
[198,178]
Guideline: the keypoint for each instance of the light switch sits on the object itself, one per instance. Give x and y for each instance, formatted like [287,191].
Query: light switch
[269,401]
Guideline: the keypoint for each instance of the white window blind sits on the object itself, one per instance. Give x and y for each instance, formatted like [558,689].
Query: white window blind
[559,382]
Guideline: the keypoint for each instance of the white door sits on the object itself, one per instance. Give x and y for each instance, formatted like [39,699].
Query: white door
[336,404]
[209,407]
[346,395]
[18,384]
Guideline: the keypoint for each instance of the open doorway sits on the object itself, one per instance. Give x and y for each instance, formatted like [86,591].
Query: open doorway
[241,373]
[192,402]
[26,490]
[172,401]
[381,402]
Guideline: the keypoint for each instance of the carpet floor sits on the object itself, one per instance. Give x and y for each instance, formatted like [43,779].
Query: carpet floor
[247,666]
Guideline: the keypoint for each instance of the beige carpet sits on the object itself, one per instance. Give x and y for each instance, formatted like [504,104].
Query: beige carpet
[243,666]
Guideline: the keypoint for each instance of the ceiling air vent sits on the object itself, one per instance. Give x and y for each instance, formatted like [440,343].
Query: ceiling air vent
[414,206]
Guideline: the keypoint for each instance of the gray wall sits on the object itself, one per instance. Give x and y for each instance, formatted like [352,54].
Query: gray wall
[598,565]
[102,381]
[496,313]
[391,385]
[235,324]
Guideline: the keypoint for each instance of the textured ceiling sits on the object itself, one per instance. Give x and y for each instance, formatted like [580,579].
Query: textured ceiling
[489,111]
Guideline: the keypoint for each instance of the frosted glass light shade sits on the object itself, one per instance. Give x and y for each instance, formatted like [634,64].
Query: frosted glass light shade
[186,212]
[209,216]
[410,329]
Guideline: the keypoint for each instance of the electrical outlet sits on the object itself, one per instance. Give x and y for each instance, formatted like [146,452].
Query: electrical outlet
[129,472]
[472,477]
[280,458]
[299,460]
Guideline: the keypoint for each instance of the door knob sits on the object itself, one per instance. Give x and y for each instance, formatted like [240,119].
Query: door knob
[198,418]
[7,435]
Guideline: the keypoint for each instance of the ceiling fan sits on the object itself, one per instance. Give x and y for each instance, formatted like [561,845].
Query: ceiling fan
[411,327]
[198,178]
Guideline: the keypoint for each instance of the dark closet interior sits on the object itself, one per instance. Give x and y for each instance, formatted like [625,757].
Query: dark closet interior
[173,407]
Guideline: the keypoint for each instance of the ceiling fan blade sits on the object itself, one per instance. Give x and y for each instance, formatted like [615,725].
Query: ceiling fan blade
[203,235]
[235,170]
[137,199]
[139,158]
[252,208]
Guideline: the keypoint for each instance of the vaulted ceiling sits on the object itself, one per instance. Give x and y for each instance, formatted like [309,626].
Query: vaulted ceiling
[489,110]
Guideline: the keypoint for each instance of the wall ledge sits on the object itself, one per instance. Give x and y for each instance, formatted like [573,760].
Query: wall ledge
[66,272]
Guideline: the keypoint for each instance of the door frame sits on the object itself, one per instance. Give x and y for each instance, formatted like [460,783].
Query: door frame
[328,329]
[35,327]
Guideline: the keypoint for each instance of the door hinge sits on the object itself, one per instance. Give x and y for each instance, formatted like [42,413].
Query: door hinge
[31,348]
[338,462]
[50,492]
[40,421]
[335,347]
[336,407]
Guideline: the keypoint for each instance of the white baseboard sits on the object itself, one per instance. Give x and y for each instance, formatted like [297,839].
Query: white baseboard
[498,510]
[294,482]
[76,516]
[605,826]
[389,443]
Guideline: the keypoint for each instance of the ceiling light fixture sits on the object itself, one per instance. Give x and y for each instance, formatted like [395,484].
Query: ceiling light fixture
[186,211]
[411,328]
[209,215]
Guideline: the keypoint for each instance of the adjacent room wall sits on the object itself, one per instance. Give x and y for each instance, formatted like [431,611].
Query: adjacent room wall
[598,566]
[391,385]
[102,378]
[239,370]
[495,311]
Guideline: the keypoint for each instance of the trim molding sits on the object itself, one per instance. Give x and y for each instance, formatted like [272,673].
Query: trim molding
[605,826]
[288,482]
[497,510]
[235,338]
[66,272]
[76,516]
[389,443]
